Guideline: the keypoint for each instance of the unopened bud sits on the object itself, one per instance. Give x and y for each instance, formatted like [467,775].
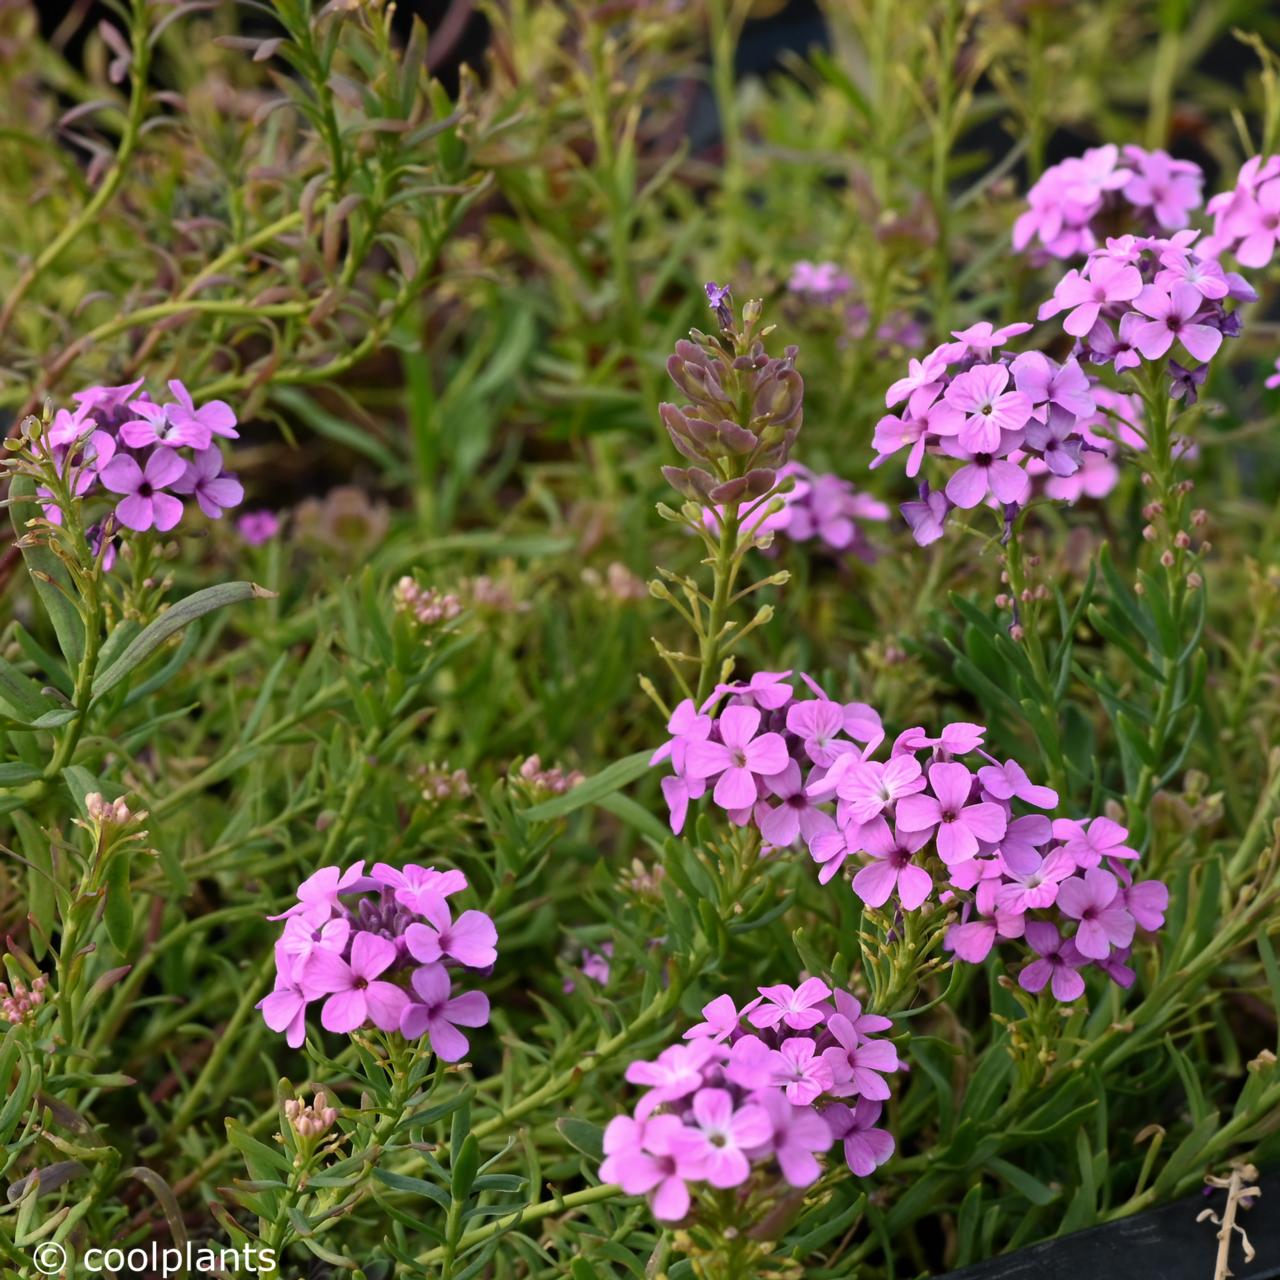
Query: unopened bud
[1194,581]
[1182,540]
[1166,559]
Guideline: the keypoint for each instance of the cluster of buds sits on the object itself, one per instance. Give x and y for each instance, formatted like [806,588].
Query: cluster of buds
[745,410]
[110,813]
[313,1120]
[425,605]
[554,781]
[17,1004]
[439,783]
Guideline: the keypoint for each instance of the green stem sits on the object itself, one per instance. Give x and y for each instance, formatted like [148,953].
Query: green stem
[725,573]
[533,1213]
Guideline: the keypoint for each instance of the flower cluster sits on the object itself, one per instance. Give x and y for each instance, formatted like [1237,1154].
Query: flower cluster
[311,1120]
[427,606]
[1006,419]
[551,780]
[381,950]
[745,410]
[1072,202]
[147,455]
[811,506]
[754,1096]
[19,1002]
[937,818]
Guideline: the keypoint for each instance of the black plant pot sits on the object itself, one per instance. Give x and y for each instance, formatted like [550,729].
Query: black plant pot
[1163,1244]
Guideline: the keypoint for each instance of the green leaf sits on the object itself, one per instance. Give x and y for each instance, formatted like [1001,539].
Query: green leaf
[169,623]
[464,1167]
[16,773]
[1027,1186]
[20,696]
[40,560]
[618,775]
[582,1135]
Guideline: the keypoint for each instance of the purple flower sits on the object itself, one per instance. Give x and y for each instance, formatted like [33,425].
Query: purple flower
[986,473]
[1094,900]
[858,1064]
[145,505]
[960,825]
[796,1007]
[739,759]
[1172,317]
[213,489]
[981,339]
[1147,901]
[865,1146]
[356,996]
[711,1145]
[796,816]
[973,940]
[893,866]
[257,527]
[1105,347]
[768,690]
[438,1014]
[157,425]
[1057,442]
[1259,224]
[927,516]
[1058,965]
[1037,888]
[1047,384]
[922,375]
[868,787]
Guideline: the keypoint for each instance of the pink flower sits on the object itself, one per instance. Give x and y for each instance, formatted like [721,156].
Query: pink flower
[973,940]
[858,1064]
[417,886]
[217,417]
[1009,780]
[981,339]
[818,723]
[1102,838]
[865,1146]
[686,725]
[355,994]
[768,690]
[796,1133]
[157,425]
[1169,188]
[640,1157]
[781,825]
[925,416]
[990,411]
[722,1017]
[711,1147]
[1059,964]
[1172,318]
[960,825]
[926,517]
[1095,902]
[1147,901]
[926,374]
[1045,383]
[1037,889]
[439,1016]
[1259,223]
[796,1007]
[800,1072]
[739,759]
[469,940]
[865,1024]
[1083,297]
[675,1073]
[893,867]
[146,505]
[1203,274]
[285,1008]
[986,472]
[323,887]
[867,788]
[213,489]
